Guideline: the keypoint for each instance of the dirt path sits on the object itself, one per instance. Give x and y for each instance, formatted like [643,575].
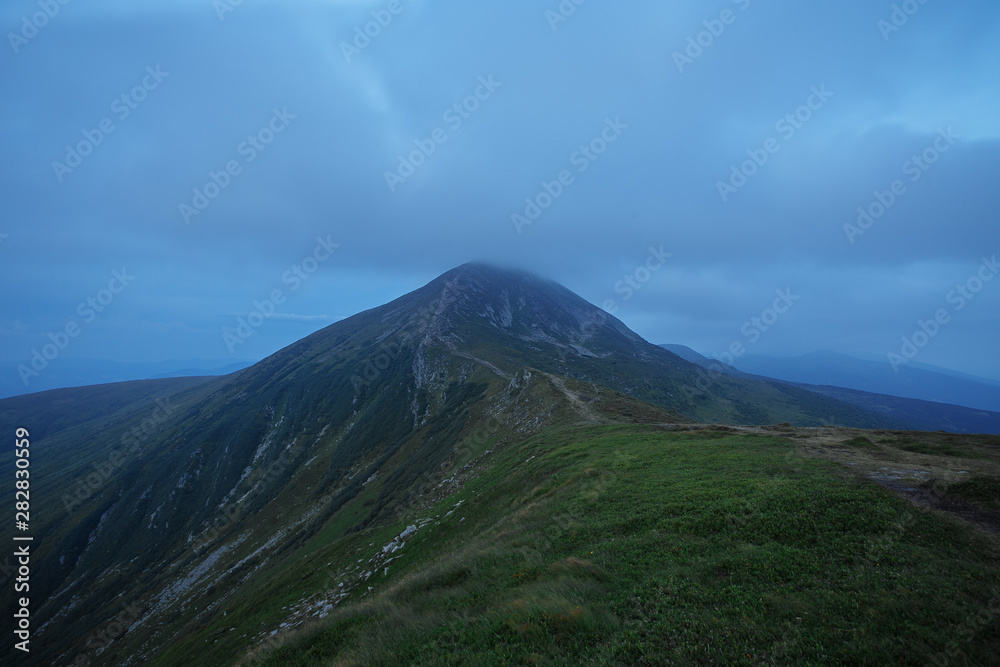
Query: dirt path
[578,404]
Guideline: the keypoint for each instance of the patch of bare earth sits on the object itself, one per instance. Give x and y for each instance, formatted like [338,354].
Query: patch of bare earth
[923,467]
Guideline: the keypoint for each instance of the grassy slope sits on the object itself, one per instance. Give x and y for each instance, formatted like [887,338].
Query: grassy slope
[631,544]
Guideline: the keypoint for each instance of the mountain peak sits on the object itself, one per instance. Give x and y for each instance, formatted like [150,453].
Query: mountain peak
[479,274]
[475,297]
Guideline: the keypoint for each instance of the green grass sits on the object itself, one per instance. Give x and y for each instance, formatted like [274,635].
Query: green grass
[631,545]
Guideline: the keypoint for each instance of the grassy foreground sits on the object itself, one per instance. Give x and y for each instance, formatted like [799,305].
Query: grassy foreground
[636,545]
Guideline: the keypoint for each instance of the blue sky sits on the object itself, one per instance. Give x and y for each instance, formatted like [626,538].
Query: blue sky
[739,137]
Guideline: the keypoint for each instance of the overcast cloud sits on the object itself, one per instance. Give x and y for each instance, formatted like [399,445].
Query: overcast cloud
[219,80]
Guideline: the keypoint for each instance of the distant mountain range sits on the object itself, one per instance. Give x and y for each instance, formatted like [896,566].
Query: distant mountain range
[170,494]
[924,399]
[839,370]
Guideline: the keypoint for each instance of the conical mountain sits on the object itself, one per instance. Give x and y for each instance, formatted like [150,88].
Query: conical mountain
[504,320]
[178,495]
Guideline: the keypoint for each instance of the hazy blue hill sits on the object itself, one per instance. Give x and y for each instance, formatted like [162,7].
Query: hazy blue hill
[922,415]
[202,372]
[77,372]
[686,353]
[916,414]
[60,409]
[830,368]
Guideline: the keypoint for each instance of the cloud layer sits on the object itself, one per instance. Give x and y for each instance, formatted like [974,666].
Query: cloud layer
[415,134]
